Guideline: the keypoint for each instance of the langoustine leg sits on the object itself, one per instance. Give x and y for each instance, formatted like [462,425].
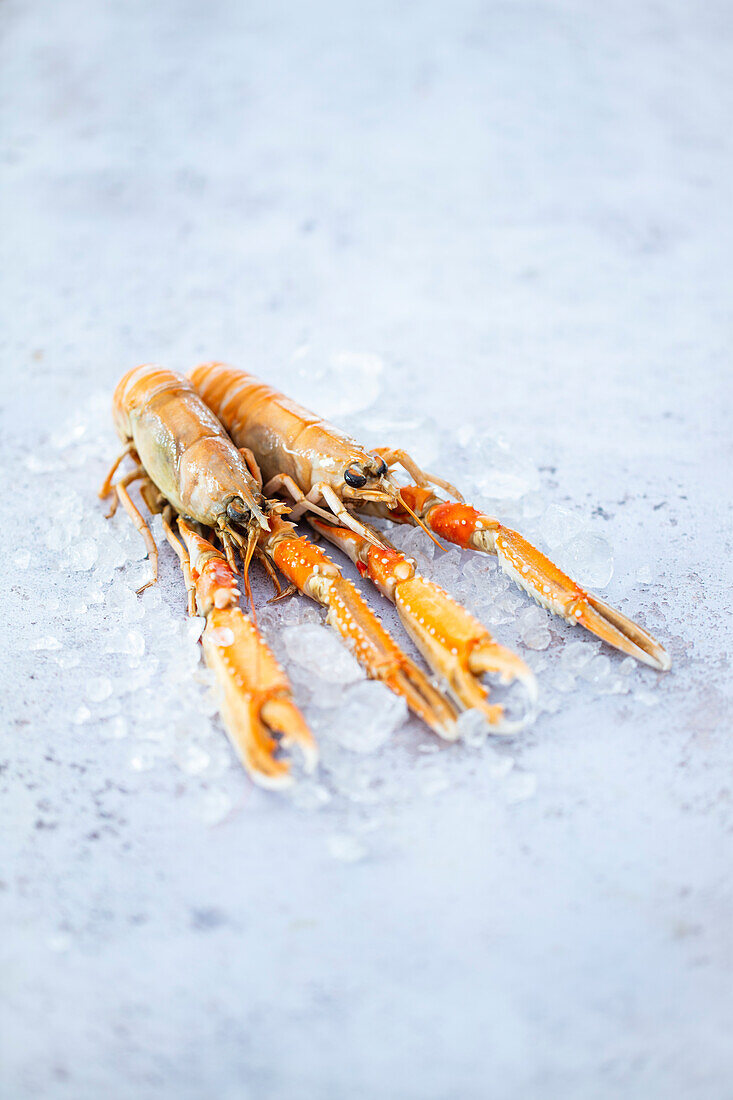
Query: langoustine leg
[457,647]
[534,572]
[256,701]
[313,573]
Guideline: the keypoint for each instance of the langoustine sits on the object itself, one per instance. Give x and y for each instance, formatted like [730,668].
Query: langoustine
[332,476]
[188,467]
[192,473]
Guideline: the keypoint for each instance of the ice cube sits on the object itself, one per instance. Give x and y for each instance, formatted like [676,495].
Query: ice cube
[576,655]
[317,649]
[82,714]
[494,615]
[22,559]
[477,572]
[558,525]
[82,555]
[536,637]
[511,601]
[614,685]
[532,616]
[472,728]
[368,715]
[99,688]
[597,669]
[414,543]
[446,569]
[533,627]
[588,559]
[644,574]
[94,594]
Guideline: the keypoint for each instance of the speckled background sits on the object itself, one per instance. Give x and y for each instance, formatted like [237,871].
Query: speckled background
[524,210]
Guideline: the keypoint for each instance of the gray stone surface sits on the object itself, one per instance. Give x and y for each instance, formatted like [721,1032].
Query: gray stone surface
[524,211]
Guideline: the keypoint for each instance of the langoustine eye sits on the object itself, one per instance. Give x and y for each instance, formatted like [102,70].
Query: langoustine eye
[237,512]
[355,477]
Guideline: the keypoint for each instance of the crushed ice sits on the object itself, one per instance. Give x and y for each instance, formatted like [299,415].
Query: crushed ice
[131,665]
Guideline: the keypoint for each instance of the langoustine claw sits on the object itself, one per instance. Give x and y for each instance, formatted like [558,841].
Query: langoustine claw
[259,714]
[533,571]
[315,575]
[457,647]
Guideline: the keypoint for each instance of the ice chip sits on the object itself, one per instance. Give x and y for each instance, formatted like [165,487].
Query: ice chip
[478,574]
[83,555]
[558,525]
[472,728]
[414,543]
[368,715]
[134,643]
[533,627]
[597,669]
[588,559]
[536,637]
[221,636]
[614,685]
[99,688]
[511,601]
[576,655]
[194,628]
[446,569]
[22,559]
[317,649]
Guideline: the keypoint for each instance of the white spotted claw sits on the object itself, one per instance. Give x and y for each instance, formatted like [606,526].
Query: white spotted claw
[457,647]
